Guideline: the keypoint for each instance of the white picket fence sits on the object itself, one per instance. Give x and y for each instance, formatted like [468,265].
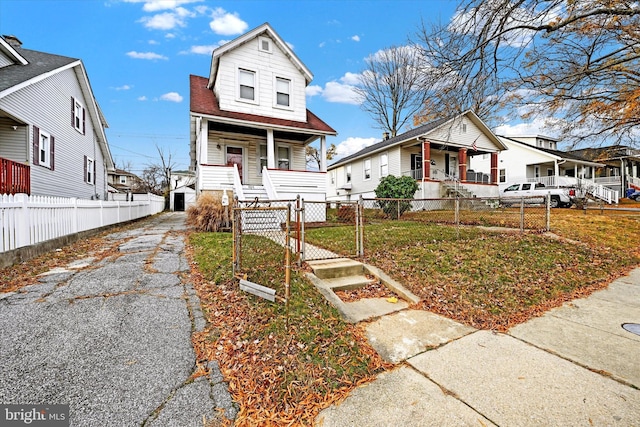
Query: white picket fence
[27,220]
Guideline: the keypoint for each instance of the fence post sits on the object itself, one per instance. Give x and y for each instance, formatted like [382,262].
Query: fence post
[398,208]
[360,207]
[303,216]
[298,230]
[548,214]
[76,215]
[23,226]
[522,214]
[457,211]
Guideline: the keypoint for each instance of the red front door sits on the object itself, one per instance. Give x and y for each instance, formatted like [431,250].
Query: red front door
[234,157]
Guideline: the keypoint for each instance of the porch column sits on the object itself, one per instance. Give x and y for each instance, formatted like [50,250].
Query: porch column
[203,135]
[271,150]
[462,166]
[556,172]
[426,160]
[494,168]
[323,153]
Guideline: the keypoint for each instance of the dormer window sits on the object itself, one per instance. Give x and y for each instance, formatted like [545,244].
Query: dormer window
[264,44]
[283,88]
[247,80]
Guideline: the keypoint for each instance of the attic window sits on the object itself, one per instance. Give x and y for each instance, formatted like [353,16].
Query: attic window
[264,44]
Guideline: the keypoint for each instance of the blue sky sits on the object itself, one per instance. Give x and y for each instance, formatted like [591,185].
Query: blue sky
[139,54]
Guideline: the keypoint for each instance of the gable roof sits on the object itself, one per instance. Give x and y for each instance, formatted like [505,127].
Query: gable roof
[611,152]
[8,50]
[251,35]
[203,101]
[555,153]
[38,66]
[414,134]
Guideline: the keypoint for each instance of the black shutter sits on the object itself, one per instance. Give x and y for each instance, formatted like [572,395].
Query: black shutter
[83,125]
[94,172]
[73,112]
[36,146]
[51,152]
[85,168]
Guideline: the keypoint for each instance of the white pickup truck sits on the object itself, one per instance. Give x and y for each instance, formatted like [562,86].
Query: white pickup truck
[560,197]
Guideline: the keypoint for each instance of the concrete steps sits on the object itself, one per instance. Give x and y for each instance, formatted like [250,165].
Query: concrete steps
[330,276]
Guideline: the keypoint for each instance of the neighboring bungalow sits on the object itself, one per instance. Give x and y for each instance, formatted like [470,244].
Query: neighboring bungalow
[52,132]
[250,124]
[183,190]
[622,166]
[436,154]
[537,159]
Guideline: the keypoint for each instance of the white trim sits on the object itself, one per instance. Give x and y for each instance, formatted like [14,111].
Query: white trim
[289,81]
[7,48]
[267,126]
[382,173]
[364,168]
[37,79]
[91,168]
[256,89]
[261,41]
[47,150]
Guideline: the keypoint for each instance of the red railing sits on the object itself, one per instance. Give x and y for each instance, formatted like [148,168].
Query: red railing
[14,177]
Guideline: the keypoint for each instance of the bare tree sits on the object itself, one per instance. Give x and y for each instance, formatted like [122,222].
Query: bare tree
[156,176]
[391,87]
[313,154]
[577,62]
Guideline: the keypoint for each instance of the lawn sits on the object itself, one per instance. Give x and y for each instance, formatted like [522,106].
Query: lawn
[284,366]
[494,280]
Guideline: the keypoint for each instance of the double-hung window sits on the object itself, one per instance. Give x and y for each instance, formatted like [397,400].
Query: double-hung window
[44,150]
[384,164]
[367,169]
[283,158]
[77,115]
[89,170]
[348,173]
[263,158]
[247,81]
[283,89]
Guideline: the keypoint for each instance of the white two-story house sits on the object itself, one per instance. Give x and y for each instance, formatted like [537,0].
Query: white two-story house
[250,124]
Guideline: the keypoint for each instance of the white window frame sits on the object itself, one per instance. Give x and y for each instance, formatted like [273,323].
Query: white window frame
[255,85]
[282,159]
[90,178]
[502,176]
[347,173]
[78,113]
[123,179]
[44,149]
[384,164]
[262,158]
[366,168]
[276,104]
[262,41]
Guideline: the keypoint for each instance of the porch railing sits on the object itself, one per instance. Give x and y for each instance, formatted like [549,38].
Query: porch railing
[14,177]
[634,181]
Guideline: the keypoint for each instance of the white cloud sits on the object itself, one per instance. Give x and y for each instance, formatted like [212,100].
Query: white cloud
[355,38]
[322,44]
[153,42]
[156,5]
[343,91]
[313,90]
[538,126]
[203,49]
[163,21]
[145,55]
[123,87]
[227,24]
[352,145]
[291,46]
[142,98]
[172,97]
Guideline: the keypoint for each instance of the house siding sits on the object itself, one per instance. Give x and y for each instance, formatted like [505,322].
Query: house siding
[13,143]
[46,104]
[267,66]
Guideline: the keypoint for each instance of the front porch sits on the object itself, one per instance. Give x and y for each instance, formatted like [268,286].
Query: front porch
[14,177]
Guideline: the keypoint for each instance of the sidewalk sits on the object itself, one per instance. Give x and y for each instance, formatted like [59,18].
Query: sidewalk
[574,366]
[113,338]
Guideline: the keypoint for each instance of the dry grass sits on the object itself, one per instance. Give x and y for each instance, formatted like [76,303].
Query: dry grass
[208,214]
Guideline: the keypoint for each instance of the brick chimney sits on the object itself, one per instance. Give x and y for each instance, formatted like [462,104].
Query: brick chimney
[12,40]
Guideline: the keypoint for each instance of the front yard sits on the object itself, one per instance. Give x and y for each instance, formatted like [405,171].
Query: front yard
[483,278]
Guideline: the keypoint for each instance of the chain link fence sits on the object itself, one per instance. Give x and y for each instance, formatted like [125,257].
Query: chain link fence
[261,249]
[523,213]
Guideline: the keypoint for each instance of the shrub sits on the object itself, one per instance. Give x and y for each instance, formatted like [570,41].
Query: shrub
[208,214]
[393,187]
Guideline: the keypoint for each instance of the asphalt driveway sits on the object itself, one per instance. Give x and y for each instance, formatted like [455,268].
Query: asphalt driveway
[112,338]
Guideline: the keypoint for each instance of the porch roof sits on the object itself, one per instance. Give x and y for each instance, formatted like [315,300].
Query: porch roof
[558,155]
[204,101]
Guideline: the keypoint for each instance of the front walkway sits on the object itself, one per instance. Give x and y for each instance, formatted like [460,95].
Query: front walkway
[112,338]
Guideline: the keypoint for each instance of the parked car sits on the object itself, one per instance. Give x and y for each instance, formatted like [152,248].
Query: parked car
[527,191]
